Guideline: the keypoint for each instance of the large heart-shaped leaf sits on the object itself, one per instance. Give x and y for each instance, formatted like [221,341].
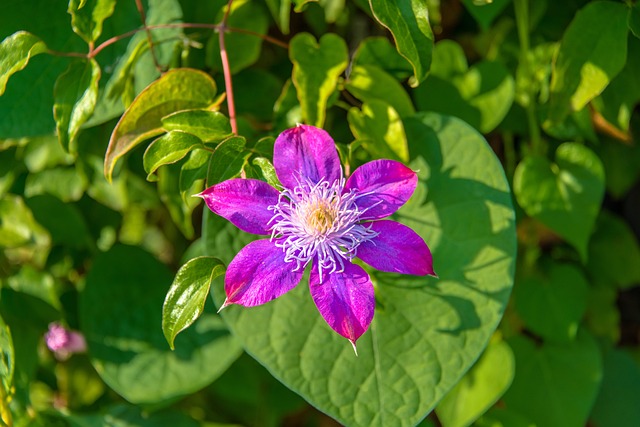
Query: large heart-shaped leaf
[121,317]
[426,332]
[565,195]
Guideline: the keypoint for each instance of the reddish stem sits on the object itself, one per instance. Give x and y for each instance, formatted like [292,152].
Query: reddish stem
[227,71]
[143,17]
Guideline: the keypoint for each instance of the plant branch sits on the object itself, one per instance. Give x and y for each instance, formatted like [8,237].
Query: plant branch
[228,83]
[143,17]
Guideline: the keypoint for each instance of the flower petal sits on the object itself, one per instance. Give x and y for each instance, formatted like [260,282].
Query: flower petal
[305,152]
[345,300]
[396,249]
[243,202]
[390,183]
[259,274]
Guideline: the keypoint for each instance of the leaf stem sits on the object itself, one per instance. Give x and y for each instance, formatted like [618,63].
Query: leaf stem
[143,17]
[227,70]
[521,8]
[122,36]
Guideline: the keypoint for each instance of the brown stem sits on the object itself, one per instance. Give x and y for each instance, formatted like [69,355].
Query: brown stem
[143,17]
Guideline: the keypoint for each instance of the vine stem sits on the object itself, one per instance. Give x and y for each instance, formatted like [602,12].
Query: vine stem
[143,17]
[521,8]
[228,83]
[94,52]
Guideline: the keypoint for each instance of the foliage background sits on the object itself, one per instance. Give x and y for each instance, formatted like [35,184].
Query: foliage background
[550,87]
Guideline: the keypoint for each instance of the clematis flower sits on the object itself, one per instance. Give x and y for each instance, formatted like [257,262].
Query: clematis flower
[63,342]
[319,218]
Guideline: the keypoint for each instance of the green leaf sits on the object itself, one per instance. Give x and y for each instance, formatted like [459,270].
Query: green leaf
[378,51]
[602,316]
[592,52]
[178,89]
[75,95]
[555,384]
[617,101]
[408,21]
[267,170]
[316,68]
[480,388]
[426,332]
[206,125]
[17,225]
[188,292]
[368,83]
[243,50]
[87,17]
[227,160]
[485,12]
[634,20]
[131,416]
[193,173]
[503,417]
[280,10]
[552,304]
[168,148]
[7,362]
[15,52]
[616,404]
[565,195]
[481,95]
[619,267]
[379,126]
[121,318]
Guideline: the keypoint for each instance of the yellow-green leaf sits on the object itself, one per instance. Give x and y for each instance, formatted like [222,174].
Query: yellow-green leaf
[316,68]
[15,52]
[178,89]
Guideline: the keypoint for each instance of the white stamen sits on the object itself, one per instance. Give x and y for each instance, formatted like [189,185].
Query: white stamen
[318,221]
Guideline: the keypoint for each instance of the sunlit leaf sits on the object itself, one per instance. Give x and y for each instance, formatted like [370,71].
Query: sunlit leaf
[178,89]
[408,21]
[188,292]
[378,51]
[592,52]
[75,95]
[206,125]
[380,129]
[369,83]
[480,388]
[227,160]
[87,17]
[169,148]
[316,68]
[15,52]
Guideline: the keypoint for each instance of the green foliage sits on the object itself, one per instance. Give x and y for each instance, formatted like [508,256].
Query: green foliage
[105,238]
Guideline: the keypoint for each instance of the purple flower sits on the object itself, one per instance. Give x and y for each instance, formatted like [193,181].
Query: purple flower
[322,219]
[64,342]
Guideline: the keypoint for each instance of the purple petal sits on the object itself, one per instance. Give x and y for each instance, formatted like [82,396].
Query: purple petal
[258,274]
[396,249]
[345,300]
[244,202]
[390,183]
[305,152]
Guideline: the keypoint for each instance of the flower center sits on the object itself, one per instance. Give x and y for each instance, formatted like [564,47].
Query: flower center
[319,221]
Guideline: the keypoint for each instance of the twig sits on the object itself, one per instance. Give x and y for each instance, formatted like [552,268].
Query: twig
[143,17]
[227,71]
